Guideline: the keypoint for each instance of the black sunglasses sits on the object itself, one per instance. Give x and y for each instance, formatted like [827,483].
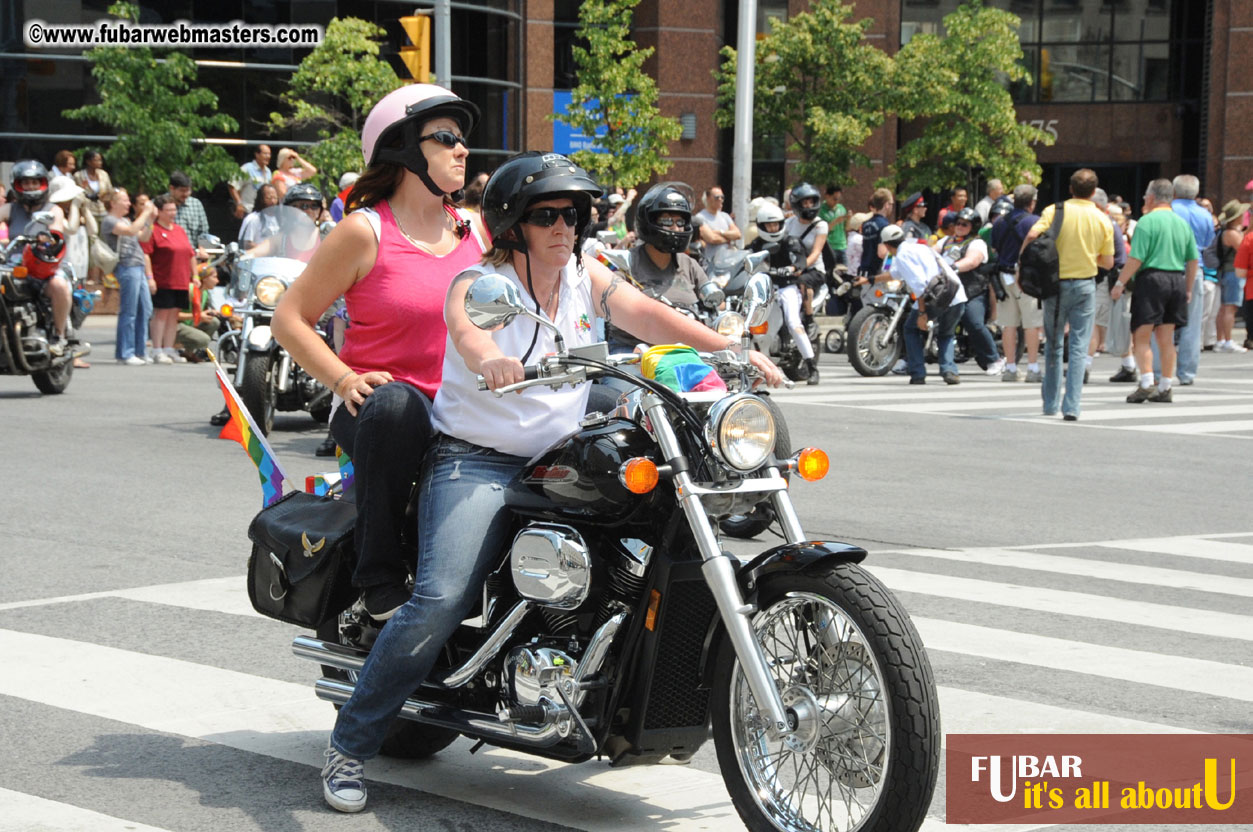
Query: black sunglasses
[307,206]
[671,222]
[445,137]
[547,217]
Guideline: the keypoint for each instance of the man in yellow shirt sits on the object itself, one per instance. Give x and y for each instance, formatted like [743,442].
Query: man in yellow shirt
[1085,243]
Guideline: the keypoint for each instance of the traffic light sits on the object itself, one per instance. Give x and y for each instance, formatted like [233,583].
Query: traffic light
[417,56]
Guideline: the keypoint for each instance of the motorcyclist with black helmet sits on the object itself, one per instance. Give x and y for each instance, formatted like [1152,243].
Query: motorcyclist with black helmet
[968,255]
[537,207]
[811,233]
[29,180]
[660,264]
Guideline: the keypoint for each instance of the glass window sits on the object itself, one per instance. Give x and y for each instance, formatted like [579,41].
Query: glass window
[1028,12]
[1074,72]
[1075,21]
[768,10]
[924,17]
[1142,20]
[1141,72]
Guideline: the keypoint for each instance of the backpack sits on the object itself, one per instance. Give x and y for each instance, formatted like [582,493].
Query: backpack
[942,288]
[1038,272]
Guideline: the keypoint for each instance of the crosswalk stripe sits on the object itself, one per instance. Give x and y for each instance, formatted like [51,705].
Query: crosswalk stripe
[1190,428]
[1188,547]
[1152,411]
[20,812]
[1080,568]
[226,595]
[1177,672]
[1064,602]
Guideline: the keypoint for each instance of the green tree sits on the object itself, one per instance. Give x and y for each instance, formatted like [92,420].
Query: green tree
[957,83]
[159,115]
[332,92]
[820,84]
[616,95]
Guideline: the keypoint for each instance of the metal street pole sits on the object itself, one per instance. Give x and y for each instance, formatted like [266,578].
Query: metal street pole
[745,77]
[443,43]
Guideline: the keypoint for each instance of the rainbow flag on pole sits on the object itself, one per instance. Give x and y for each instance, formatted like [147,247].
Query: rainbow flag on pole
[243,430]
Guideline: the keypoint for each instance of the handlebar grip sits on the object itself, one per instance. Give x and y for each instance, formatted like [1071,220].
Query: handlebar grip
[529,373]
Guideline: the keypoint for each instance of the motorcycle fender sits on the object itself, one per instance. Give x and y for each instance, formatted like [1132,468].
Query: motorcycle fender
[810,556]
[260,339]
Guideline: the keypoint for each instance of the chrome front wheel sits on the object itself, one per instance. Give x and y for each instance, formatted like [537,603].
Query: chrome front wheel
[858,689]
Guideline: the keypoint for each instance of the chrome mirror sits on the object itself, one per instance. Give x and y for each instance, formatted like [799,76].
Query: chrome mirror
[326,228]
[757,296]
[711,294]
[493,301]
[757,261]
[44,218]
[209,241]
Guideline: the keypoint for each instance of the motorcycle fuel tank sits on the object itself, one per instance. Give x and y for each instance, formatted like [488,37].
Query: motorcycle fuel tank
[578,478]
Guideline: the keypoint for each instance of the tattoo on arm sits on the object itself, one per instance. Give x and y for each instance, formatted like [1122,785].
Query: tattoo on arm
[609,290]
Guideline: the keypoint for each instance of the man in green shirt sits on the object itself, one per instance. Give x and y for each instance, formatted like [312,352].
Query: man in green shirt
[835,215]
[1163,261]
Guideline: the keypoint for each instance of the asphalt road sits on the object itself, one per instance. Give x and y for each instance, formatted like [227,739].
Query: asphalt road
[1085,577]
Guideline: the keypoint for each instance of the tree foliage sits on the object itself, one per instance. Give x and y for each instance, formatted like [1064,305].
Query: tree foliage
[158,114]
[820,84]
[955,83]
[332,92]
[615,95]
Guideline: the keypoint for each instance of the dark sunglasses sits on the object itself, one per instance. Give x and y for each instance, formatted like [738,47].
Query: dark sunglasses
[547,217]
[445,137]
[715,196]
[307,206]
[671,222]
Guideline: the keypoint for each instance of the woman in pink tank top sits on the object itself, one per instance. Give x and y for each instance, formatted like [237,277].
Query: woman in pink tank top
[392,258]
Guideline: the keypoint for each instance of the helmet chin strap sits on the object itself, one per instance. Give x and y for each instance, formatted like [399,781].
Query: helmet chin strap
[410,155]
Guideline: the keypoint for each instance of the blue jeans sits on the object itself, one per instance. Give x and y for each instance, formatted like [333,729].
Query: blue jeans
[465,528]
[1078,308]
[1188,338]
[916,340]
[974,321]
[134,308]
[386,441]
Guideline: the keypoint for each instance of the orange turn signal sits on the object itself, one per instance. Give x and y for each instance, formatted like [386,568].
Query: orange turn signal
[639,475]
[19,271]
[654,601]
[812,464]
[227,310]
[762,329]
[878,293]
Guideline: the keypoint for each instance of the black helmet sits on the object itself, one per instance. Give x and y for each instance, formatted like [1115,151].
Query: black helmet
[1002,206]
[801,192]
[302,192]
[971,216]
[30,169]
[661,199]
[533,177]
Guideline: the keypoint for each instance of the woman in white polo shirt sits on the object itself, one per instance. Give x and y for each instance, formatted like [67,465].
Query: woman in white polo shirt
[536,206]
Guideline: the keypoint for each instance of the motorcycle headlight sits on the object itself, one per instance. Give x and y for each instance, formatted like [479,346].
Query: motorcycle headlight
[741,431]
[730,325]
[268,291]
[893,286]
[722,278]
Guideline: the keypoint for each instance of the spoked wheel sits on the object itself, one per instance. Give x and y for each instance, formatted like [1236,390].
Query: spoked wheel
[859,690]
[834,341]
[872,347]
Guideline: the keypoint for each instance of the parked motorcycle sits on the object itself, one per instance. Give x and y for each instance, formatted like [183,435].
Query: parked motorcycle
[875,339]
[26,315]
[267,377]
[616,625]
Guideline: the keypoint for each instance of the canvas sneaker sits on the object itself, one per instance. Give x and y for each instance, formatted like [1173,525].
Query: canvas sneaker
[133,361]
[343,781]
[162,358]
[1035,377]
[996,368]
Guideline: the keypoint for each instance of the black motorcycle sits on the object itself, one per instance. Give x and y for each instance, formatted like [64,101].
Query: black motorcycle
[616,625]
[26,318]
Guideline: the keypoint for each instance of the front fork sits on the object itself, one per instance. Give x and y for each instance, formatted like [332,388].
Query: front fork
[890,330]
[720,572]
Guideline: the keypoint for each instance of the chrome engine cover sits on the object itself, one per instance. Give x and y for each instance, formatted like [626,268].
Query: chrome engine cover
[532,674]
[551,566]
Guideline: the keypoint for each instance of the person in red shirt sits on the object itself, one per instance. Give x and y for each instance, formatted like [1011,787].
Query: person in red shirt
[1244,263]
[957,202]
[173,264]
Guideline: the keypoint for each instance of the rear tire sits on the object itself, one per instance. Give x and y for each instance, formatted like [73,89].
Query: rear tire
[864,351]
[853,672]
[257,390]
[53,382]
[405,739]
[834,341]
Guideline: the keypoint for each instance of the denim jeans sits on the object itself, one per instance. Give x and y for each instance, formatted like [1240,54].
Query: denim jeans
[465,527]
[916,340]
[1188,338]
[134,308]
[386,440]
[1077,299]
[974,321]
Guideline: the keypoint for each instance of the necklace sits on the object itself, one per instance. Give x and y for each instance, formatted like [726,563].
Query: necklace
[419,243]
[549,304]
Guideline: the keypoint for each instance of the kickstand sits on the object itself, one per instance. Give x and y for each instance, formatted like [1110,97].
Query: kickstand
[477,746]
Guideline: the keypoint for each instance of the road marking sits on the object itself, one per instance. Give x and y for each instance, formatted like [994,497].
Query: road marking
[1176,672]
[1188,547]
[1221,426]
[1064,602]
[1080,568]
[28,813]
[1155,411]
[228,595]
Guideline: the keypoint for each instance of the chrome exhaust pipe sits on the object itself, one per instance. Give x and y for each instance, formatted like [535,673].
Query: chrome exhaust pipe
[339,656]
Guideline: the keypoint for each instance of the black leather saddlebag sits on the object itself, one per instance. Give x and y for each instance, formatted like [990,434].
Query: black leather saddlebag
[300,570]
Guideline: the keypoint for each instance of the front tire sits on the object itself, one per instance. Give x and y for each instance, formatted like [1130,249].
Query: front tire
[52,382]
[853,672]
[872,350]
[257,390]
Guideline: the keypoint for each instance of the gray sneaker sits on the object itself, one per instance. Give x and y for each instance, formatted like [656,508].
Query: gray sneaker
[1011,375]
[343,781]
[1035,377]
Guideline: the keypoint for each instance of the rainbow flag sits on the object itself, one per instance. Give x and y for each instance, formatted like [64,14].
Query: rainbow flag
[243,430]
[346,476]
[680,368]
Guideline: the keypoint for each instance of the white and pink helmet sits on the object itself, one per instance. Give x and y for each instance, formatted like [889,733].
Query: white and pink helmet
[392,128]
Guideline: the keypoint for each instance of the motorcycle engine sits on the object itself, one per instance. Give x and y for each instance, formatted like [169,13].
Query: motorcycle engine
[533,673]
[550,565]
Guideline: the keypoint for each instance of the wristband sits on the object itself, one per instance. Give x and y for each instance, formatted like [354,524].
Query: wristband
[339,381]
